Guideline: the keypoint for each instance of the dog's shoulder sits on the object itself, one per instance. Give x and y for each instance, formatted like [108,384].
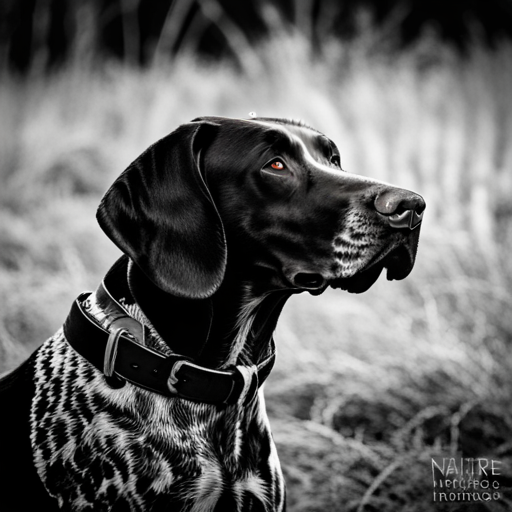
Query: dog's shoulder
[17,471]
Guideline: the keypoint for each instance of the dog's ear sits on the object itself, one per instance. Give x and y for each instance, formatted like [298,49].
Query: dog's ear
[161,214]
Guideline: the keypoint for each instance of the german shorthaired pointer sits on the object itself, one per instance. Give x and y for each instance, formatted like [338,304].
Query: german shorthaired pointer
[149,398]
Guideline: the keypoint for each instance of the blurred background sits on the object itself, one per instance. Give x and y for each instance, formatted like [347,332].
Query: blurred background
[367,388]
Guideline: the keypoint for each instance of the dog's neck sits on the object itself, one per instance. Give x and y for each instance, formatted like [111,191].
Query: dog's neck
[234,325]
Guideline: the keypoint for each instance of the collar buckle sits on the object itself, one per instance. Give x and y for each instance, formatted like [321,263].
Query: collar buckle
[183,385]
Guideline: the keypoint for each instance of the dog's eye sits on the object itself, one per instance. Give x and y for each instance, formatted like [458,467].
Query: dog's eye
[277,165]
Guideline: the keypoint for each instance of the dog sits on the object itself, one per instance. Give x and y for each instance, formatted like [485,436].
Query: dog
[150,396]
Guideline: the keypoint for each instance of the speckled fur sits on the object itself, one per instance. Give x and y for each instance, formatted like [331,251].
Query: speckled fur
[355,244]
[95,446]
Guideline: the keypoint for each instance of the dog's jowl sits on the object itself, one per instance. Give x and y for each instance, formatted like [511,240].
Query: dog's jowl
[149,398]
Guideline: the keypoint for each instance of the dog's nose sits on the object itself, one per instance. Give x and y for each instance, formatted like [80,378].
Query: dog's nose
[403,208]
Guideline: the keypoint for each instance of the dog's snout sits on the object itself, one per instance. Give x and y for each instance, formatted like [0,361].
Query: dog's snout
[403,208]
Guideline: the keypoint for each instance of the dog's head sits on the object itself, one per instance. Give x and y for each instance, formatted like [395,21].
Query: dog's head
[259,193]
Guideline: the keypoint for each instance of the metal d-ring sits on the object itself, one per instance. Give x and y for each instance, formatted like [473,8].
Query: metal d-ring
[111,351]
[109,360]
[117,328]
[408,219]
[173,379]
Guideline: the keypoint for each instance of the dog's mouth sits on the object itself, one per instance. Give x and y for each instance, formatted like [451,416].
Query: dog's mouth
[398,261]
[398,258]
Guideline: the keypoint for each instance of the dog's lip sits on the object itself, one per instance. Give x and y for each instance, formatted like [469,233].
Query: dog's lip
[392,258]
[361,281]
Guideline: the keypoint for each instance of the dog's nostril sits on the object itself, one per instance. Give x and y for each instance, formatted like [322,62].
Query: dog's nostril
[408,219]
[309,281]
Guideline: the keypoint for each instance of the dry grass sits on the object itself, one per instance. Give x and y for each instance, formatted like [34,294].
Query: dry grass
[366,387]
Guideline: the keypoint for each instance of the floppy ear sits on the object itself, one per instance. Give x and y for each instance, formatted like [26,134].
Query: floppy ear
[161,214]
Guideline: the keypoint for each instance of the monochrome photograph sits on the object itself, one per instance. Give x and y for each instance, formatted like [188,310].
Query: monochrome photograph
[254,256]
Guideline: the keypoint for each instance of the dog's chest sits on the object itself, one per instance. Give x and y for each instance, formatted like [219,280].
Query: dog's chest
[95,446]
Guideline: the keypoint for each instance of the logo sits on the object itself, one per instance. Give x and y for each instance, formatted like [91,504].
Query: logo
[463,479]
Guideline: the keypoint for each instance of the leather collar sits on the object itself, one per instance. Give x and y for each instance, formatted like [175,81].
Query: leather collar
[121,355]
